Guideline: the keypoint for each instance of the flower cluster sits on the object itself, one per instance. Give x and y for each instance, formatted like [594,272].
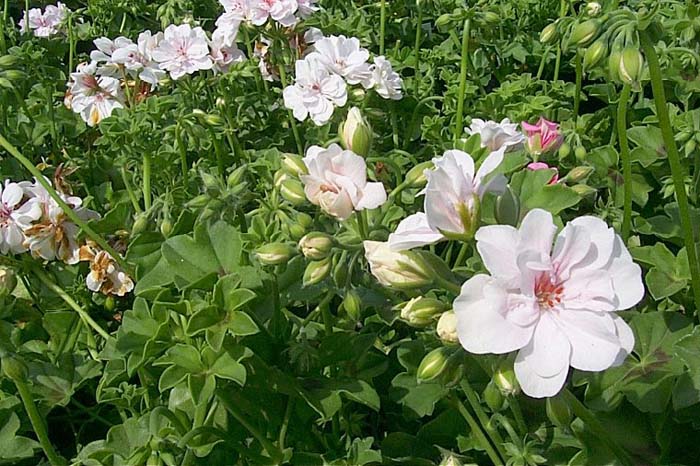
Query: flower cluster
[258,12]
[32,221]
[44,24]
[323,74]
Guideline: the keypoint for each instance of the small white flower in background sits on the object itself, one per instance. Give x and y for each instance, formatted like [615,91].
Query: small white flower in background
[229,24]
[93,97]
[237,11]
[337,182]
[315,93]
[452,198]
[281,11]
[183,50]
[495,135]
[384,79]
[46,24]
[307,8]
[106,276]
[53,236]
[103,55]
[555,305]
[224,53]
[344,57]
[138,58]
[14,216]
[402,270]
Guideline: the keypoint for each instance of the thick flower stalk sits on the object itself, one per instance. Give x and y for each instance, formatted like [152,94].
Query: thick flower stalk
[554,305]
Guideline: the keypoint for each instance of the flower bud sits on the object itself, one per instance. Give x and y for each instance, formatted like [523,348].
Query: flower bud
[490,17]
[353,305]
[594,54]
[214,120]
[296,231]
[294,165]
[493,397]
[450,460]
[415,178]
[630,66]
[443,21]
[578,174]
[140,224]
[420,312]
[166,227]
[507,208]
[397,269]
[584,33]
[614,64]
[210,181]
[583,190]
[316,271]
[236,177]
[447,328]
[564,150]
[8,281]
[593,8]
[542,137]
[559,412]
[355,133]
[549,34]
[304,219]
[433,364]
[505,380]
[316,245]
[14,368]
[275,253]
[15,75]
[279,177]
[340,269]
[293,191]
[7,61]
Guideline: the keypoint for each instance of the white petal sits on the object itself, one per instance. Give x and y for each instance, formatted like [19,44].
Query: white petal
[373,196]
[626,336]
[594,342]
[626,277]
[497,246]
[413,232]
[537,232]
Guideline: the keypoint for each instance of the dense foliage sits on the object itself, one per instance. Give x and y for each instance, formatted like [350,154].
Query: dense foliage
[247,232]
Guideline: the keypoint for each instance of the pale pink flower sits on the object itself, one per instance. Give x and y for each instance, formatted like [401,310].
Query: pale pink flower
[223,52]
[281,11]
[93,97]
[45,24]
[542,137]
[534,166]
[555,305]
[495,135]
[183,50]
[384,80]
[315,93]
[452,197]
[138,58]
[344,57]
[337,182]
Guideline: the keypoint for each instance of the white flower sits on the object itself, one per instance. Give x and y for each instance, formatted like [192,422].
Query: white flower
[103,55]
[281,11]
[337,182]
[313,35]
[307,8]
[384,79]
[93,97]
[138,58]
[554,304]
[45,24]
[183,50]
[237,11]
[315,93]
[452,198]
[402,270]
[36,20]
[14,216]
[495,135]
[224,53]
[106,276]
[343,56]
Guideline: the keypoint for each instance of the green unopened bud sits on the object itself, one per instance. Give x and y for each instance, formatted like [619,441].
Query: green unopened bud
[630,66]
[559,412]
[6,61]
[279,177]
[490,17]
[584,33]
[614,64]
[421,312]
[316,271]
[447,328]
[296,231]
[275,253]
[505,380]
[210,181]
[580,153]
[294,165]
[8,281]
[316,245]
[15,75]
[140,224]
[236,177]
[397,269]
[352,303]
[214,120]
[450,460]
[594,54]
[583,190]
[166,227]
[549,34]
[493,397]
[443,20]
[578,174]
[340,269]
[197,202]
[593,8]
[508,208]
[564,150]
[358,94]
[433,364]
[355,133]
[293,191]
[14,368]
[415,178]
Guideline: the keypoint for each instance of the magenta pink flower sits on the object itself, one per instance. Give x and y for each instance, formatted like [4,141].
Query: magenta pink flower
[544,166]
[542,137]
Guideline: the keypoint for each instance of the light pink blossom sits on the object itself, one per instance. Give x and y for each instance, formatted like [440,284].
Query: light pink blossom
[542,137]
[183,50]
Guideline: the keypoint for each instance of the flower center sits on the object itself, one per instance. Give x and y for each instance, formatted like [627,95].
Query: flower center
[548,291]
[327,188]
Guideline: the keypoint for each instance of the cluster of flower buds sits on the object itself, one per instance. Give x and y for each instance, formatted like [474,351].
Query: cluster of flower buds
[47,23]
[32,221]
[322,76]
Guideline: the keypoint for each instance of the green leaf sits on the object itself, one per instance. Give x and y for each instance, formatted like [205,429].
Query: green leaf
[13,447]
[228,368]
[241,324]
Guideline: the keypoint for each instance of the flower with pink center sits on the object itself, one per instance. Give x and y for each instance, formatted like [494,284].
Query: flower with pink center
[343,56]
[281,11]
[93,97]
[535,166]
[315,93]
[223,52]
[551,299]
[44,24]
[138,58]
[542,137]
[183,50]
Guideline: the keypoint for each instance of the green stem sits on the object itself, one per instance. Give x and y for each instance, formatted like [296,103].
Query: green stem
[67,210]
[285,423]
[183,156]
[462,254]
[382,26]
[363,224]
[557,63]
[38,424]
[130,190]
[419,29]
[50,284]
[674,160]
[147,181]
[581,411]
[26,17]
[486,423]
[626,160]
[466,33]
[517,414]
[478,433]
[579,79]
[447,284]
[540,70]
[292,121]
[71,45]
